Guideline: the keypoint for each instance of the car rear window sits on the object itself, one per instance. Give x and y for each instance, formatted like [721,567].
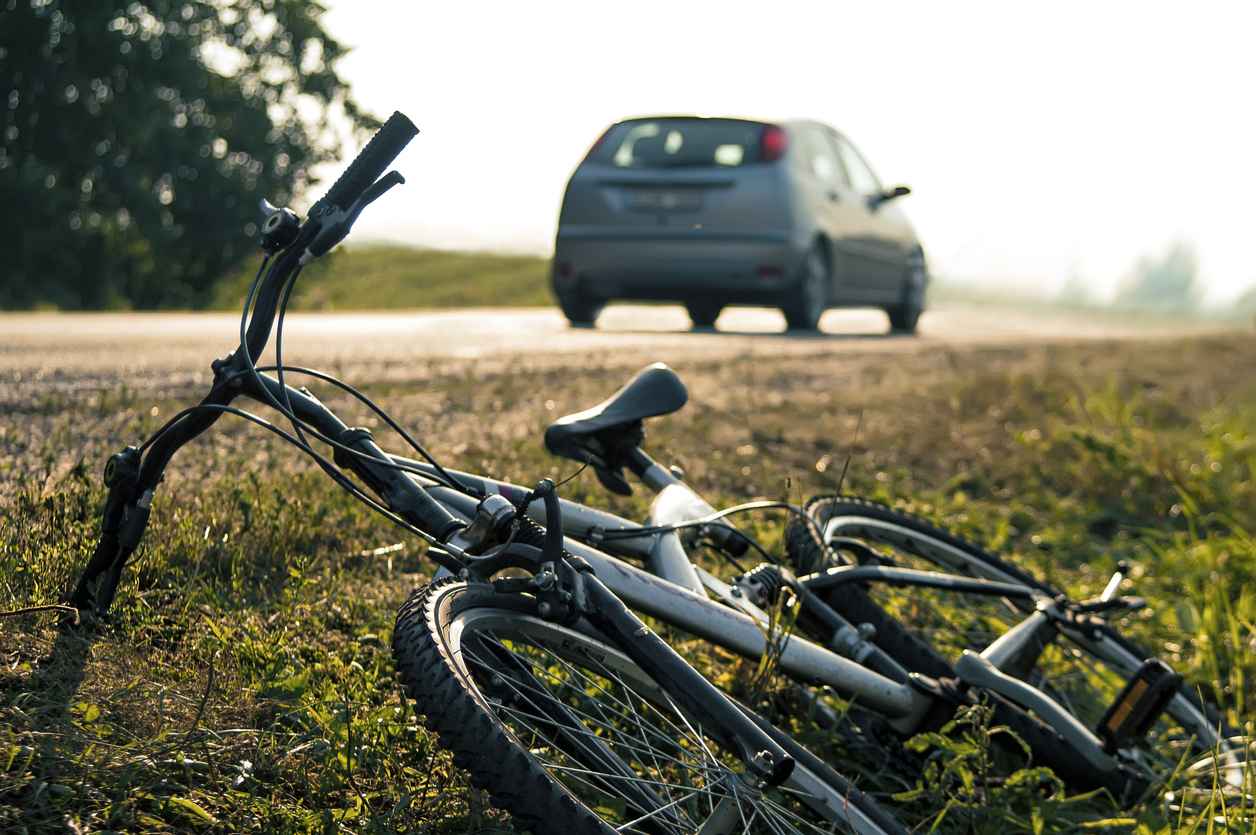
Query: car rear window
[679,142]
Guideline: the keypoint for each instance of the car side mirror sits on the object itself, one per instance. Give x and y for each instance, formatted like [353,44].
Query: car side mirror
[875,200]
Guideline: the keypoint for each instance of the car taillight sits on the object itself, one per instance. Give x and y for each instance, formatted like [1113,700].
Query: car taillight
[772,145]
[770,272]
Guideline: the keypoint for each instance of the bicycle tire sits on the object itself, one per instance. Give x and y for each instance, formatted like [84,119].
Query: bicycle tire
[925,630]
[569,736]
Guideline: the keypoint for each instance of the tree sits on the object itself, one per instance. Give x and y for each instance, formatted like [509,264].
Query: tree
[139,140]
[1163,285]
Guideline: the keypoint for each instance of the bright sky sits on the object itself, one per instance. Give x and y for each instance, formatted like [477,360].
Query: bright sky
[1041,141]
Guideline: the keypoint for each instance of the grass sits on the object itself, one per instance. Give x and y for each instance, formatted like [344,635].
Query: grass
[246,682]
[390,277]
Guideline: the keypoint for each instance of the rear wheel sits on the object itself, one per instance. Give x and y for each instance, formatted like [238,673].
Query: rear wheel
[581,309]
[809,298]
[570,736]
[1083,669]
[703,314]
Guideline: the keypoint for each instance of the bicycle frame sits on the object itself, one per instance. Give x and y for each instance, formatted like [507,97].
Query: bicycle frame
[684,595]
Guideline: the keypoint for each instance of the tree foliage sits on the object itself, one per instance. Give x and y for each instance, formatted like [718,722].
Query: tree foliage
[138,138]
[1164,284]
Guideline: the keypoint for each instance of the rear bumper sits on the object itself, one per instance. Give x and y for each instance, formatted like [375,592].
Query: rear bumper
[752,267]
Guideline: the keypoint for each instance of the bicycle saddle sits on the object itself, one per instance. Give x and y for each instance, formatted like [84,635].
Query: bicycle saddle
[606,435]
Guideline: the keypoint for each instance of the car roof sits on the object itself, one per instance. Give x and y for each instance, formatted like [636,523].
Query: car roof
[788,124]
[652,117]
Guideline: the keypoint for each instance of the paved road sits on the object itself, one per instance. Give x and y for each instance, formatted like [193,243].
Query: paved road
[88,351]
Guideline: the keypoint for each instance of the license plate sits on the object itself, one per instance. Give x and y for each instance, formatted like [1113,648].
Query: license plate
[667,199]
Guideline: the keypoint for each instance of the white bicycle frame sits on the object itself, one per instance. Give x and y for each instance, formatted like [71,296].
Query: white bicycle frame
[676,591]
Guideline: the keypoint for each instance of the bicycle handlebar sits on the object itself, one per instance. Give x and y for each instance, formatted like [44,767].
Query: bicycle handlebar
[365,169]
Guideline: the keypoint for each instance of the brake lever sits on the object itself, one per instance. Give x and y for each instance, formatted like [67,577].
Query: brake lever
[335,226]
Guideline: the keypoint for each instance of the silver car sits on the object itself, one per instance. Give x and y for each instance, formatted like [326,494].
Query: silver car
[718,212]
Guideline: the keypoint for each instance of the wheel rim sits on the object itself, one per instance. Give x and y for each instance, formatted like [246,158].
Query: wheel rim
[606,731]
[1070,671]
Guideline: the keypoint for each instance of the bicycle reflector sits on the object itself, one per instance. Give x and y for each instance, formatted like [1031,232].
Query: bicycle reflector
[1143,699]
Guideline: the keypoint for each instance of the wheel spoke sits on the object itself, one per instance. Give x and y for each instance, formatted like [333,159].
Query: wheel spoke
[667,734]
[589,726]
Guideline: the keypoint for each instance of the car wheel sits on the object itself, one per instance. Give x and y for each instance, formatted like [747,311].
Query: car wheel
[809,298]
[905,314]
[580,309]
[704,314]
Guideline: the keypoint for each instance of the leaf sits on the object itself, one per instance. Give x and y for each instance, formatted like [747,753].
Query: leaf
[922,742]
[353,812]
[911,794]
[612,809]
[1185,616]
[403,802]
[291,687]
[183,808]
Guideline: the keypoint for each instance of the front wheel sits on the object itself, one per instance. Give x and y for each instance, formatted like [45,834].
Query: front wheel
[570,736]
[905,314]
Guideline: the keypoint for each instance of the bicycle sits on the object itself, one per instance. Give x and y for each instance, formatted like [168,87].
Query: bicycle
[956,624]
[528,654]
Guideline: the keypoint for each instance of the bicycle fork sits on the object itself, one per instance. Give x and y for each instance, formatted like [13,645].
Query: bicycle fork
[1004,665]
[1144,697]
[126,515]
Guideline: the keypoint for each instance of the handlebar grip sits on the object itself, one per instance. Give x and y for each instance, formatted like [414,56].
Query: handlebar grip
[369,164]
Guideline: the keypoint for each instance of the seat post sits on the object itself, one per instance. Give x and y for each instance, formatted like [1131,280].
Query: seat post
[654,474]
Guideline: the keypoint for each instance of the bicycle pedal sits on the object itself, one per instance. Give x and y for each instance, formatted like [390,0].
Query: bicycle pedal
[1140,703]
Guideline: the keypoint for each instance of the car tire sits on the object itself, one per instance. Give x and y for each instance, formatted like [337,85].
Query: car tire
[810,296]
[704,314]
[906,314]
[580,309]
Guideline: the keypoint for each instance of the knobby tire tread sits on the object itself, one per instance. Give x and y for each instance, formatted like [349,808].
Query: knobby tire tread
[481,747]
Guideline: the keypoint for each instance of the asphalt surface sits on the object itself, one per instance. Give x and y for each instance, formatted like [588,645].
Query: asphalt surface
[77,352]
